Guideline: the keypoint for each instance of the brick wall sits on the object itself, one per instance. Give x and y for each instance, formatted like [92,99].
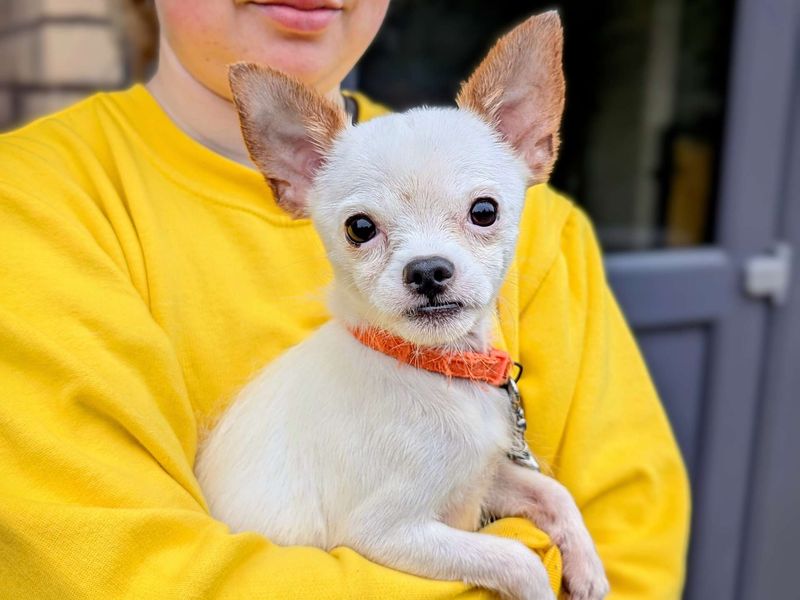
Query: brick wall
[54,52]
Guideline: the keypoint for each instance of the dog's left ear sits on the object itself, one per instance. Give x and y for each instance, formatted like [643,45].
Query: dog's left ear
[287,127]
[519,90]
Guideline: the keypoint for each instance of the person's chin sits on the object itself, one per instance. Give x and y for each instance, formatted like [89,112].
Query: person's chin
[312,68]
[311,60]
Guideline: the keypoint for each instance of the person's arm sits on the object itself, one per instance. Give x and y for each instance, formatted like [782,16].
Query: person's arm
[596,417]
[98,438]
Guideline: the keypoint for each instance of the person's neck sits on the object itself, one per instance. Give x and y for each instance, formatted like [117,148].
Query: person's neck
[200,112]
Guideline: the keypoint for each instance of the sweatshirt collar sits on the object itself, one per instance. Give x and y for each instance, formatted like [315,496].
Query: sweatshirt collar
[193,165]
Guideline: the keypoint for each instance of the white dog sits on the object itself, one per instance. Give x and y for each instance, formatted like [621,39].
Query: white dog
[388,430]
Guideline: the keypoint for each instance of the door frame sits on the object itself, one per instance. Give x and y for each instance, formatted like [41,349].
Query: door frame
[769,562]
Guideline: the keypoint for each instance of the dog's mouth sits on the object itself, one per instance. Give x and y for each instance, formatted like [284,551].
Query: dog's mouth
[436,310]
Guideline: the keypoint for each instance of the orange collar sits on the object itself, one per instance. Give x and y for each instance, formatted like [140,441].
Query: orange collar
[491,367]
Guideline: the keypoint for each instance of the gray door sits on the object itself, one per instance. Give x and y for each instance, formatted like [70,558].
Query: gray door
[721,339]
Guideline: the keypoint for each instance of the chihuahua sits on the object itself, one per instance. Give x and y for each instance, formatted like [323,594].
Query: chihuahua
[391,429]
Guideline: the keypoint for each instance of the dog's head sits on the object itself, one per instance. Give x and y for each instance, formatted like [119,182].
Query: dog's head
[418,211]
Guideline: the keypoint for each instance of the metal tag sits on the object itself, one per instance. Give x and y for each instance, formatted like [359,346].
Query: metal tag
[519,452]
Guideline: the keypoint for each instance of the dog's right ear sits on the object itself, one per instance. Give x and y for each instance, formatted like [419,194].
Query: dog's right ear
[519,90]
[287,127]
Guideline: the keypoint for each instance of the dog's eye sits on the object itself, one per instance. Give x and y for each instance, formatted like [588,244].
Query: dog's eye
[483,212]
[360,229]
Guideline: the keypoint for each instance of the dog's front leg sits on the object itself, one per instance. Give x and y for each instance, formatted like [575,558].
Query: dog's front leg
[522,492]
[434,550]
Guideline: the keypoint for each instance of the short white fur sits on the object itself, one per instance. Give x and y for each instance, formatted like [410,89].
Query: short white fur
[337,444]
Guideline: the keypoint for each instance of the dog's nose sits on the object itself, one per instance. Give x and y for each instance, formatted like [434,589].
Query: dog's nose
[428,275]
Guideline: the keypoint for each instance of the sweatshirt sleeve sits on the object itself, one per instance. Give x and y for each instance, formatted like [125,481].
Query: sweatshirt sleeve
[597,420]
[98,438]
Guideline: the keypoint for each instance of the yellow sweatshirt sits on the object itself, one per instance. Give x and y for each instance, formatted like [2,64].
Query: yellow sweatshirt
[144,279]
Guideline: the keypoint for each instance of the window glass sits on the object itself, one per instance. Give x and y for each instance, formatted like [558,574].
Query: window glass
[646,82]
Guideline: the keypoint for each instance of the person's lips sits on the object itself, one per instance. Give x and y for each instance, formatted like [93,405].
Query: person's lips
[300,16]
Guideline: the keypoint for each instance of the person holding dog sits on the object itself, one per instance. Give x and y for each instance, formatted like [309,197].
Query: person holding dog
[147,272]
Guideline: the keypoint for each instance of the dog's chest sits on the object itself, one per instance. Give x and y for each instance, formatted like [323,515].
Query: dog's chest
[450,433]
[334,429]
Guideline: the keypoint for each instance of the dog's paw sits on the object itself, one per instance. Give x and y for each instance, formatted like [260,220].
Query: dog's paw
[584,577]
[526,579]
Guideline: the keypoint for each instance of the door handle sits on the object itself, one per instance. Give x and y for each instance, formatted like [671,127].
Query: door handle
[767,276]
